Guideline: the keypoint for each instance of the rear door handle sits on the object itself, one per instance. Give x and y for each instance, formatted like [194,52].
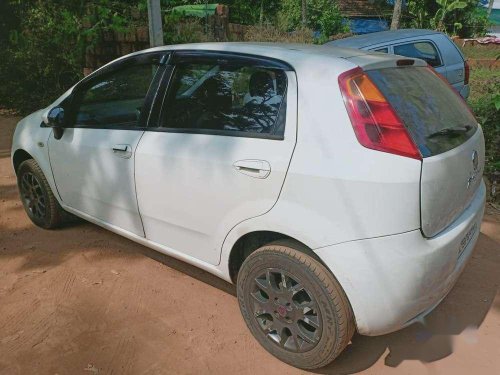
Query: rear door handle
[122,151]
[253,168]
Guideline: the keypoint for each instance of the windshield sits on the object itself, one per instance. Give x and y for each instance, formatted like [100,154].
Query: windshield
[436,117]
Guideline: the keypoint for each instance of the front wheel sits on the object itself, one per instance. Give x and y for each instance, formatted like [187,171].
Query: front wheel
[37,197]
[294,306]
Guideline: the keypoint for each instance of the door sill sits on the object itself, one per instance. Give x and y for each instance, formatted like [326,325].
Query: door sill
[213,269]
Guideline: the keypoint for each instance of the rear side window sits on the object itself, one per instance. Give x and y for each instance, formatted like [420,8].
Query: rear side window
[226,99]
[420,50]
[436,116]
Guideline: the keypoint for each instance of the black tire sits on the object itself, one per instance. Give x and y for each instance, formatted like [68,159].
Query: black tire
[38,200]
[314,296]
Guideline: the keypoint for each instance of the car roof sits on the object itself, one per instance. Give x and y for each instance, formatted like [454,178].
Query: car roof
[365,40]
[288,52]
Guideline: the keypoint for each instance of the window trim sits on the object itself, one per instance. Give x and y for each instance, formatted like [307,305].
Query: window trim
[422,41]
[113,68]
[199,56]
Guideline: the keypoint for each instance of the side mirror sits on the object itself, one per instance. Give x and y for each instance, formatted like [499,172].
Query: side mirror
[55,120]
[55,117]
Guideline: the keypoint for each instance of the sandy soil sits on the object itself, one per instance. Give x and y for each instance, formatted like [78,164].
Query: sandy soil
[81,300]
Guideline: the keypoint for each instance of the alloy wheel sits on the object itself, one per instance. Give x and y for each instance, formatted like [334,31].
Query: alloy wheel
[33,196]
[285,311]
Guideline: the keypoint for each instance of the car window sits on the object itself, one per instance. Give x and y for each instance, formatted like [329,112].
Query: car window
[427,106]
[420,50]
[116,99]
[384,50]
[226,98]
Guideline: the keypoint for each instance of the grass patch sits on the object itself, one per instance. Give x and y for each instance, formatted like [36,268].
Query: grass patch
[479,51]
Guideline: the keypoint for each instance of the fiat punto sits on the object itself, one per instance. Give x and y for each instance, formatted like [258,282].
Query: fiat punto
[339,189]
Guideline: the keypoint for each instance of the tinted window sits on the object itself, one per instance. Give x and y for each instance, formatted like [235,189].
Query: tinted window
[115,100]
[436,116]
[226,98]
[383,50]
[420,50]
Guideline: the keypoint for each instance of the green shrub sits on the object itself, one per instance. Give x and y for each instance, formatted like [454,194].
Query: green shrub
[322,15]
[179,29]
[485,103]
[44,54]
[269,33]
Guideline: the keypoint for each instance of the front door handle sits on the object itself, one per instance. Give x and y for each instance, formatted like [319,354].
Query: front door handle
[253,168]
[122,151]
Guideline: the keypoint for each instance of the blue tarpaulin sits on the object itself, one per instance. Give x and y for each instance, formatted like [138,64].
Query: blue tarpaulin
[367,25]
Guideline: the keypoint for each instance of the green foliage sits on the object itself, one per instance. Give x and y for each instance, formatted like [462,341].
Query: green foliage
[44,54]
[322,15]
[269,33]
[485,103]
[458,17]
[178,29]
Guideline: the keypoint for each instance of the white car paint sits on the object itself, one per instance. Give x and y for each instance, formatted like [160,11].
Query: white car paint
[357,208]
[94,178]
[205,192]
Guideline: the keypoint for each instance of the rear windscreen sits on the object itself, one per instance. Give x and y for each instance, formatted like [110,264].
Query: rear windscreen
[436,117]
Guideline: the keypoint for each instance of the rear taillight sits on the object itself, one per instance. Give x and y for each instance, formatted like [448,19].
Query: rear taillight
[375,123]
[466,73]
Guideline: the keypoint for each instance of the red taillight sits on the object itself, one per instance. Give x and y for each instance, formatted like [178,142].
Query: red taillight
[375,123]
[466,73]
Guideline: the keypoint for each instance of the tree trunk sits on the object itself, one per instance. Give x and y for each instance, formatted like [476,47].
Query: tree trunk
[304,13]
[396,15]
[490,7]
[261,15]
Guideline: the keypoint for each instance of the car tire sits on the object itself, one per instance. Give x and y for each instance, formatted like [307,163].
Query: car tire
[294,306]
[36,195]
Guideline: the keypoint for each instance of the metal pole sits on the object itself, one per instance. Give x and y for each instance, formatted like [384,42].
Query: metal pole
[155,27]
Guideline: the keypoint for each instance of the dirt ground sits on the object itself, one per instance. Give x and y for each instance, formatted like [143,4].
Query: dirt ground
[82,300]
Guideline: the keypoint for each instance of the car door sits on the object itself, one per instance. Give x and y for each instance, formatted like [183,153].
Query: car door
[93,161]
[217,152]
[454,61]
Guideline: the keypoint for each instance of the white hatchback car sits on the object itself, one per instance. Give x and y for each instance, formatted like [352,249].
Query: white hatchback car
[340,189]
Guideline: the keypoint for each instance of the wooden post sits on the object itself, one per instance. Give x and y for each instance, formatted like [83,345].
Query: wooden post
[155,26]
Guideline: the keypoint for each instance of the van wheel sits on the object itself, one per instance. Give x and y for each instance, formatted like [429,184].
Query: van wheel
[38,200]
[294,306]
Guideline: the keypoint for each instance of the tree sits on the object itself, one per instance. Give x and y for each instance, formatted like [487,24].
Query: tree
[396,15]
[490,7]
[304,13]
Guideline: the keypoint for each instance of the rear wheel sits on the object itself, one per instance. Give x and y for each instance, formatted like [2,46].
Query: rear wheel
[294,306]
[37,197]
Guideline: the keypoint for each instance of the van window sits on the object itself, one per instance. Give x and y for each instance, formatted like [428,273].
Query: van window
[226,99]
[420,50]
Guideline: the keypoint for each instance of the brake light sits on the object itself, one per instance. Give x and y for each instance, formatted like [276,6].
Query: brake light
[375,123]
[466,73]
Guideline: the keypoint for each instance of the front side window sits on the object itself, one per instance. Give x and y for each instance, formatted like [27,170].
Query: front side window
[382,50]
[226,98]
[420,50]
[116,99]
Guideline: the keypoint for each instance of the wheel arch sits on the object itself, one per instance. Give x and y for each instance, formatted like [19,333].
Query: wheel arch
[251,241]
[18,157]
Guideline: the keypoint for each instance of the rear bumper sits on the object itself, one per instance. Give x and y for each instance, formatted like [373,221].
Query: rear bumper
[391,281]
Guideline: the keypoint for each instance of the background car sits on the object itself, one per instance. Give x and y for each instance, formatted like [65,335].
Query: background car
[434,47]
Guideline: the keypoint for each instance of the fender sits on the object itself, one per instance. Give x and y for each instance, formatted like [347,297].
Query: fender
[32,138]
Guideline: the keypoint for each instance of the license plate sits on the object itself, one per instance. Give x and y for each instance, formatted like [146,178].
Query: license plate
[467,238]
